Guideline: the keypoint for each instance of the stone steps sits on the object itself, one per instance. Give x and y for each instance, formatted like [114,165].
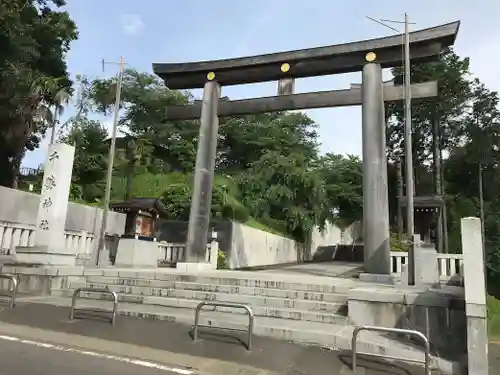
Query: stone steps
[140,286]
[253,300]
[276,307]
[333,336]
[228,278]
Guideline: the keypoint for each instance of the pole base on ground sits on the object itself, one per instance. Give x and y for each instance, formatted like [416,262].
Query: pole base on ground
[377,278]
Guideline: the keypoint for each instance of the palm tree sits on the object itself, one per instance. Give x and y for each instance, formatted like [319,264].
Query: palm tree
[29,92]
[61,97]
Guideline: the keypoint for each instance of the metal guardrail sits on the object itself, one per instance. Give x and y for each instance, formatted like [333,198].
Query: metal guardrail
[13,290]
[224,304]
[93,290]
[418,334]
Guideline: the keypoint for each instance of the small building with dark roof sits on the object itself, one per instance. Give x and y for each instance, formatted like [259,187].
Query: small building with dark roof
[141,215]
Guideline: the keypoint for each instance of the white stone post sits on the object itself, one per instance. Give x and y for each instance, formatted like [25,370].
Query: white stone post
[213,251]
[50,245]
[475,296]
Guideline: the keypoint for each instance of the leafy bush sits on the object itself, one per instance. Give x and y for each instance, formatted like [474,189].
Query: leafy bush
[398,244]
[145,185]
[178,192]
[493,317]
[221,260]
[177,199]
[234,210]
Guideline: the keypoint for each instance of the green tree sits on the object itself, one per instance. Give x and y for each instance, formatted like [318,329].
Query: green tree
[478,157]
[34,38]
[134,157]
[89,167]
[225,205]
[144,98]
[451,73]
[343,179]
[287,191]
[245,139]
[60,98]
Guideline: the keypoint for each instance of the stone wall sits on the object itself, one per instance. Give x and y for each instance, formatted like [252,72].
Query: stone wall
[333,235]
[251,247]
[437,313]
[21,207]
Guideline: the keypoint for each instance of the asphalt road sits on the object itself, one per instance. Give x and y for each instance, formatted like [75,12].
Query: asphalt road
[21,358]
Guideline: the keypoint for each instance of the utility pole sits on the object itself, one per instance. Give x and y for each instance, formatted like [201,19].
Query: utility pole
[409,179]
[111,158]
[481,202]
[409,160]
[399,217]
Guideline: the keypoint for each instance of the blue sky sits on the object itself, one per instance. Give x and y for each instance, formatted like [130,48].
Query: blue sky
[189,30]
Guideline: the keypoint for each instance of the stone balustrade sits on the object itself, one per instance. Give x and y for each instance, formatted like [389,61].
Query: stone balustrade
[450,265]
[16,234]
[171,253]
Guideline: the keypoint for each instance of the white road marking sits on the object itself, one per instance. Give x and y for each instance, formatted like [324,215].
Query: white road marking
[137,362]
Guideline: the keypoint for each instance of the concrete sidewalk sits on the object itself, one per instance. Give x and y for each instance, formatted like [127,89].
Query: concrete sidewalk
[218,352]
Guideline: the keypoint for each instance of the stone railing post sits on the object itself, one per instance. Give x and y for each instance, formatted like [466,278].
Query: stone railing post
[213,251]
[475,296]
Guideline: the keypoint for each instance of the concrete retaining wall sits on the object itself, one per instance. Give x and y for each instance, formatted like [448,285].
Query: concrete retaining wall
[22,207]
[438,314]
[252,247]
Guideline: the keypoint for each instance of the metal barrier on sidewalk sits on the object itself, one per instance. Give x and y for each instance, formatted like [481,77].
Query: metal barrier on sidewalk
[418,334]
[76,294]
[224,304]
[12,288]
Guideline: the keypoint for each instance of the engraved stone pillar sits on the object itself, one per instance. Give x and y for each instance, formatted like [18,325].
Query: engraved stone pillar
[375,195]
[201,203]
[50,245]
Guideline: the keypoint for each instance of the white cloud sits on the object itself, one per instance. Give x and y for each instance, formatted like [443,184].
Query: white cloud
[131,23]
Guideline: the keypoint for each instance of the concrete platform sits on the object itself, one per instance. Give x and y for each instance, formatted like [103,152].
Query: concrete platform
[216,353]
[344,270]
[297,307]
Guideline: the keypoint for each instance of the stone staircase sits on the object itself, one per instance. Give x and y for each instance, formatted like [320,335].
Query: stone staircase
[299,308]
[174,299]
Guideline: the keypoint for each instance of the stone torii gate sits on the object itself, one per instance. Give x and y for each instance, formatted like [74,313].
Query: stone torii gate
[368,56]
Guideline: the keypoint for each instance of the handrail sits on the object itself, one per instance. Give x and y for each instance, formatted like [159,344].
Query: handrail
[392,330]
[13,292]
[224,304]
[93,290]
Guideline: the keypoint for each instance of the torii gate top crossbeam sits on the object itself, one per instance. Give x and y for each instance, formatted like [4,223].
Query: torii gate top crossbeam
[425,45]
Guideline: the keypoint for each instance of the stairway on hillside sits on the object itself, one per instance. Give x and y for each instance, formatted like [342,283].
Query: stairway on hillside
[299,308]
